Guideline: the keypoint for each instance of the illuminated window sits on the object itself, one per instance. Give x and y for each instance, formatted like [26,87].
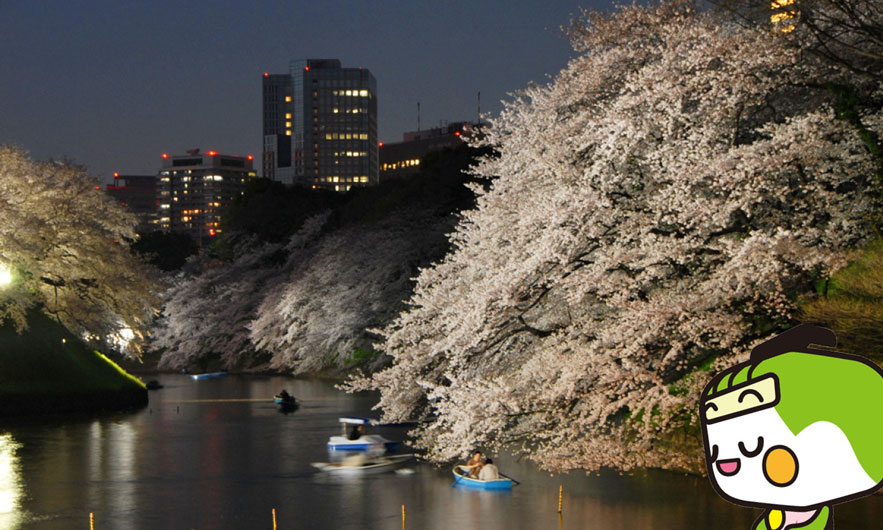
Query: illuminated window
[287,133]
[288,124]
[288,99]
[335,111]
[363,93]
[287,115]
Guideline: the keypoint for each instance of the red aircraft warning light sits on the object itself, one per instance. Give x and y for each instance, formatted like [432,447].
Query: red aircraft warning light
[456,133]
[250,157]
[165,155]
[212,232]
[116,175]
[266,74]
[380,144]
[212,153]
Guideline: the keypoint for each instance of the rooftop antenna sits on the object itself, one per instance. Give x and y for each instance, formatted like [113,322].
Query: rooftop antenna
[479,107]
[418,116]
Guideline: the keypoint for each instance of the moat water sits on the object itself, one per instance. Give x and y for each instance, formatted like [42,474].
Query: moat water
[218,454]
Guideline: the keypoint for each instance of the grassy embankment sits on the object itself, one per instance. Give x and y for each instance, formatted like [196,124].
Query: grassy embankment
[46,369]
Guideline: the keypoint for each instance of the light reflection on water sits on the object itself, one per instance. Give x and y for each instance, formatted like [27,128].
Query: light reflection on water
[10,483]
[192,461]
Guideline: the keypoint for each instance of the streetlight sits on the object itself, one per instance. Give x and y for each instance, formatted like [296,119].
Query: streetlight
[5,276]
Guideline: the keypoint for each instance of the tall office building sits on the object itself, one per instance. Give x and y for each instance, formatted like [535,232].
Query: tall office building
[320,125]
[193,188]
[278,120]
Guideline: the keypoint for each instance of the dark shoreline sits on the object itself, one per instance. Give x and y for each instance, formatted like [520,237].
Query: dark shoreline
[100,401]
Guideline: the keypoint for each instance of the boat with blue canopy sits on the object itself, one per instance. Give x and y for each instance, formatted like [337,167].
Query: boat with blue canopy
[355,437]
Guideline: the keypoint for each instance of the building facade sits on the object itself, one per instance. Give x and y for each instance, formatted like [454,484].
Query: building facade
[278,119]
[329,115]
[193,188]
[137,193]
[403,159]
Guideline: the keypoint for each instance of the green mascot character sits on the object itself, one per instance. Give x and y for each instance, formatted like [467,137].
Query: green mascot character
[794,431]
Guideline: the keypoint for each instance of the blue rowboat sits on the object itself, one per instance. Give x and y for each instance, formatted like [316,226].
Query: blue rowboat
[460,479]
[200,377]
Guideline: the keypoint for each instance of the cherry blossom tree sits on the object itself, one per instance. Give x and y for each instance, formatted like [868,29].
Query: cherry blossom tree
[655,210]
[64,247]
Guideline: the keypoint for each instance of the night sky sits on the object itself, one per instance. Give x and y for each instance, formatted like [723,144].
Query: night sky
[113,84]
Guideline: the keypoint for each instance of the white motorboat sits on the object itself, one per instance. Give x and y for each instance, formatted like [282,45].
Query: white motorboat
[361,464]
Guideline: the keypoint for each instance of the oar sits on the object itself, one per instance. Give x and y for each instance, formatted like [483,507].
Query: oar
[458,478]
[510,478]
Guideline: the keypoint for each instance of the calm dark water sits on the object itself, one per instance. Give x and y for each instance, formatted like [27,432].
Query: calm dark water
[191,460]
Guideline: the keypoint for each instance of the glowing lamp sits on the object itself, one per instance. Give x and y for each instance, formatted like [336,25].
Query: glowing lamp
[456,133]
[97,187]
[212,232]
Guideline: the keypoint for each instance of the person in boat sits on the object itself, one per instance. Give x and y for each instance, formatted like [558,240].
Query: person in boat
[284,395]
[489,471]
[474,464]
[356,432]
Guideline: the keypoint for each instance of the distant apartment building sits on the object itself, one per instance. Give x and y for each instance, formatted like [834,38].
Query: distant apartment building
[138,194]
[193,188]
[320,126]
[403,159]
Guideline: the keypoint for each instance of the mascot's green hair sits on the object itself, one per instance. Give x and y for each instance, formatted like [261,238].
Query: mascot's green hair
[818,385]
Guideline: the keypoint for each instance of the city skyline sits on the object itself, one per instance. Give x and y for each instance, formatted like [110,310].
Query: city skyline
[113,85]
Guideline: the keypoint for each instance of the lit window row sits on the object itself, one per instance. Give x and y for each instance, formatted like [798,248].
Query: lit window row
[215,178]
[336,178]
[400,164]
[342,188]
[164,206]
[351,153]
[346,136]
[352,93]
[349,111]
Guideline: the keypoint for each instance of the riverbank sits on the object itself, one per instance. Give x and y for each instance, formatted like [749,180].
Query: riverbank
[48,370]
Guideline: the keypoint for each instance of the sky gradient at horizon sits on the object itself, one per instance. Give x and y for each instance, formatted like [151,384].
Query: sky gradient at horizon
[113,84]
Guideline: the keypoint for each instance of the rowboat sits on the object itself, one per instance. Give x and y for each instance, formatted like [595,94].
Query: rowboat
[355,439]
[460,479]
[362,465]
[200,377]
[285,401]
